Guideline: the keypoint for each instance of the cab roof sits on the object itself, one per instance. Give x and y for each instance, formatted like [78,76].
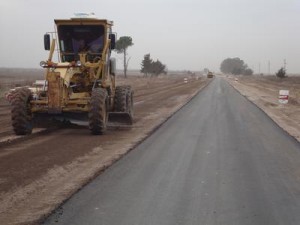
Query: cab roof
[83,21]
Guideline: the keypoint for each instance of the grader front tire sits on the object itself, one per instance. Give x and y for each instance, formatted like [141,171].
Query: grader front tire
[98,111]
[20,113]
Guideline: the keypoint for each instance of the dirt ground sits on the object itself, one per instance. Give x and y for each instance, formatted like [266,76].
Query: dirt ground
[40,171]
[264,92]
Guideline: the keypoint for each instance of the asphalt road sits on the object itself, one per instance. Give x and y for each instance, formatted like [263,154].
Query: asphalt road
[219,160]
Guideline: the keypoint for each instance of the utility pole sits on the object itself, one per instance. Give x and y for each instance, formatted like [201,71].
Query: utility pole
[259,68]
[284,64]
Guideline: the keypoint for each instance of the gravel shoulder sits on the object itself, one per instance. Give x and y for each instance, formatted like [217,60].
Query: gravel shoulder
[264,92]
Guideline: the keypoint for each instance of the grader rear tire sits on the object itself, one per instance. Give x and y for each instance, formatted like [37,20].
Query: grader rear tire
[120,99]
[98,111]
[129,100]
[21,115]
[124,102]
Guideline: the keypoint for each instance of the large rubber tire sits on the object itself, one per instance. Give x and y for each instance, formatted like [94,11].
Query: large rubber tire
[121,99]
[98,111]
[129,100]
[124,101]
[21,115]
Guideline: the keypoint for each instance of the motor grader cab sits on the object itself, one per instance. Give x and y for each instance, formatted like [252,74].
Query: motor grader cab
[81,85]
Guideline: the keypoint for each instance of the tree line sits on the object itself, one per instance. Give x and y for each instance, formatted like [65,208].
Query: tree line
[235,66]
[153,68]
[148,66]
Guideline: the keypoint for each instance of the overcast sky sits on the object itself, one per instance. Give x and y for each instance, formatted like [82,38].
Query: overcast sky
[183,34]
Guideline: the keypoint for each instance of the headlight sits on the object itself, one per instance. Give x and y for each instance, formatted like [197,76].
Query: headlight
[43,64]
[78,63]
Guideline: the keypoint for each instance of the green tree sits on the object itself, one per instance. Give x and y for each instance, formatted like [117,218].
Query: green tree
[157,68]
[121,47]
[281,73]
[146,65]
[153,67]
[235,66]
[248,71]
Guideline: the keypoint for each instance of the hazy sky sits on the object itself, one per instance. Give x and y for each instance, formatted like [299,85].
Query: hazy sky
[183,34]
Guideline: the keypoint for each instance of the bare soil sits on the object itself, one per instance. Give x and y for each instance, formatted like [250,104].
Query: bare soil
[264,92]
[40,171]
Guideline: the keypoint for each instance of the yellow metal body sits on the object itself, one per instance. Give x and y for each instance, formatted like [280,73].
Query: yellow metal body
[70,83]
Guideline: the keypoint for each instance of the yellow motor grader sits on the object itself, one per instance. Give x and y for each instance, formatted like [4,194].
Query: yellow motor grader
[81,85]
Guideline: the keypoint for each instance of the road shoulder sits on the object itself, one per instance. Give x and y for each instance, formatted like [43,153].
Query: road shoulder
[265,97]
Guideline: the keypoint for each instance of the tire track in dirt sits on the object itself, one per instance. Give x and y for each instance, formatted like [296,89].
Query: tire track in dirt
[39,173]
[149,87]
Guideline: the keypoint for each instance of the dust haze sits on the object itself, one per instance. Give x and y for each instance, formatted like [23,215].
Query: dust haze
[183,34]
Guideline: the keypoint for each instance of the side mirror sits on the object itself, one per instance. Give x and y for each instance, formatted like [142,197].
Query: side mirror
[47,41]
[112,38]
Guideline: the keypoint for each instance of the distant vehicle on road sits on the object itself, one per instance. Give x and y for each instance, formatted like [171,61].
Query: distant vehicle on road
[210,75]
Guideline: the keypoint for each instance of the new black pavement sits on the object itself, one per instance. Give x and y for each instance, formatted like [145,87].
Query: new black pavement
[219,160]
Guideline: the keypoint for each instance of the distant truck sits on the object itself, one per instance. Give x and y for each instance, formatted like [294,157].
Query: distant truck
[210,75]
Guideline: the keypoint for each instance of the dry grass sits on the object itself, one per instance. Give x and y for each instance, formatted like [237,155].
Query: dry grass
[291,83]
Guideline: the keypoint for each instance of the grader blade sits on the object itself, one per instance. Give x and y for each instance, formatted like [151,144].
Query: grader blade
[120,118]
